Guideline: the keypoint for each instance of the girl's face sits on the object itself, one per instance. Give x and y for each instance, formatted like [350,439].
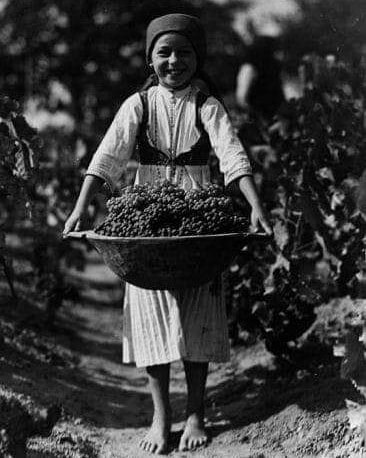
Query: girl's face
[174,60]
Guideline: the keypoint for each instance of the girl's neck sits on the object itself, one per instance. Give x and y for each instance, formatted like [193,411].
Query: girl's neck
[176,89]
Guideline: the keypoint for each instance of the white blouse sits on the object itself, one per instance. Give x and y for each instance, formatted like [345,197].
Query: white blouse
[172,130]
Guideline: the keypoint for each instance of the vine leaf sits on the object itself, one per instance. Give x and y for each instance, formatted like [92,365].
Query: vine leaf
[17,165]
[326,173]
[327,256]
[24,161]
[281,234]
[281,263]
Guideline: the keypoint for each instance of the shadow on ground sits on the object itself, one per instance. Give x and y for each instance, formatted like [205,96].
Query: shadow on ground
[41,363]
[259,393]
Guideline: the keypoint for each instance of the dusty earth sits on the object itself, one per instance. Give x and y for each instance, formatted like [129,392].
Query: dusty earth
[256,406]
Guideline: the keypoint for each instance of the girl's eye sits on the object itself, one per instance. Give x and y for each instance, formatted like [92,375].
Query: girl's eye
[184,52]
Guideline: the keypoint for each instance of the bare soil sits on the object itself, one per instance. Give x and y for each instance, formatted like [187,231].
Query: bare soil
[257,407]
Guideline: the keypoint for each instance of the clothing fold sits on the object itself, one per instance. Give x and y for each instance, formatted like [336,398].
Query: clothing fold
[160,327]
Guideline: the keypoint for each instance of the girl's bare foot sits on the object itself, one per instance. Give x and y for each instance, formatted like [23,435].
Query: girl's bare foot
[194,434]
[156,440]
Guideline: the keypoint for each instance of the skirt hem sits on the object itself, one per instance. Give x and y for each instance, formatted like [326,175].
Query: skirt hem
[179,358]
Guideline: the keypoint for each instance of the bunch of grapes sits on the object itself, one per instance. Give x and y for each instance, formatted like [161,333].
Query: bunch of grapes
[164,210]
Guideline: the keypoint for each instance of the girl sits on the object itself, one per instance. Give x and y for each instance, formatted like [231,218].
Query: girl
[174,125]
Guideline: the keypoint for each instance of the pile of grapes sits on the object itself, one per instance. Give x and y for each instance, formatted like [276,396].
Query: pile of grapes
[165,210]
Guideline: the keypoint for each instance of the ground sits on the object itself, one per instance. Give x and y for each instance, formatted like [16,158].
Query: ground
[256,407]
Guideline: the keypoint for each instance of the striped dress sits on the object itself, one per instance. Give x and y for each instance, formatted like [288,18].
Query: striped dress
[161,326]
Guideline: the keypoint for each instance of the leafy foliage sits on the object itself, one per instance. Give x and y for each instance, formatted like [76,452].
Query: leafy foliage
[327,27]
[35,194]
[19,148]
[317,146]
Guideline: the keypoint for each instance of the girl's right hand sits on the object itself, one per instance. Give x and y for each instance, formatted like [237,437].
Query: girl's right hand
[259,219]
[77,221]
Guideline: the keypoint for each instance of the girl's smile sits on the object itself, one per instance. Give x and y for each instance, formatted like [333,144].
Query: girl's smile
[174,60]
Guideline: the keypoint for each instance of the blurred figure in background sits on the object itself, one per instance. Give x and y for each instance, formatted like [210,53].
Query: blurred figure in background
[259,85]
[260,95]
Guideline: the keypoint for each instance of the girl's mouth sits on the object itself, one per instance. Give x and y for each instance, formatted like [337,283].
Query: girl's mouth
[175,72]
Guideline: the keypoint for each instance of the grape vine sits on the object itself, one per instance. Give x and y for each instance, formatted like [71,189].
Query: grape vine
[311,164]
[19,150]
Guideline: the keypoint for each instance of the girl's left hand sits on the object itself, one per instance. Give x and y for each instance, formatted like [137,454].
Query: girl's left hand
[259,218]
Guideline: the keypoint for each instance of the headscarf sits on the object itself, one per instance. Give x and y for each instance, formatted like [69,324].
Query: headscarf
[184,24]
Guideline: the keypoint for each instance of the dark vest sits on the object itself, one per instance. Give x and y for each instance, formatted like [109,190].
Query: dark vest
[149,155]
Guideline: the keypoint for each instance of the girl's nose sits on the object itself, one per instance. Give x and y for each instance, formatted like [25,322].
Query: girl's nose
[173,57]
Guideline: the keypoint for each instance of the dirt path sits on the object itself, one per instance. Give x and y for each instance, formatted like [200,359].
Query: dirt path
[255,409]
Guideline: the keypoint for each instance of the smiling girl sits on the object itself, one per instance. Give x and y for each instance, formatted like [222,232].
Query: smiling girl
[175,125]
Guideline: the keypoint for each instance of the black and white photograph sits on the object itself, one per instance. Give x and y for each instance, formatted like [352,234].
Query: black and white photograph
[183,228]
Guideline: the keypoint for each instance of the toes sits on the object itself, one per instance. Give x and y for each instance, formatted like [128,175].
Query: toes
[196,443]
[203,440]
[146,445]
[160,450]
[142,444]
[183,445]
[191,443]
[152,447]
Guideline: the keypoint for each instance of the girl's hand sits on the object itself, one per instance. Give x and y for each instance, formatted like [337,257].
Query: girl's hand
[77,221]
[259,218]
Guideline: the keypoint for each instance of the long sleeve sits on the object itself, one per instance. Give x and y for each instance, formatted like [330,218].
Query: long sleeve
[233,159]
[118,143]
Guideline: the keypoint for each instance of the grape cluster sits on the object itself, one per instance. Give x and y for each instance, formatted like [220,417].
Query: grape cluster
[164,210]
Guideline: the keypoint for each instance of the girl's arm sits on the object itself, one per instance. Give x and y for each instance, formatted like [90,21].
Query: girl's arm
[116,148]
[258,216]
[109,160]
[76,221]
[234,162]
